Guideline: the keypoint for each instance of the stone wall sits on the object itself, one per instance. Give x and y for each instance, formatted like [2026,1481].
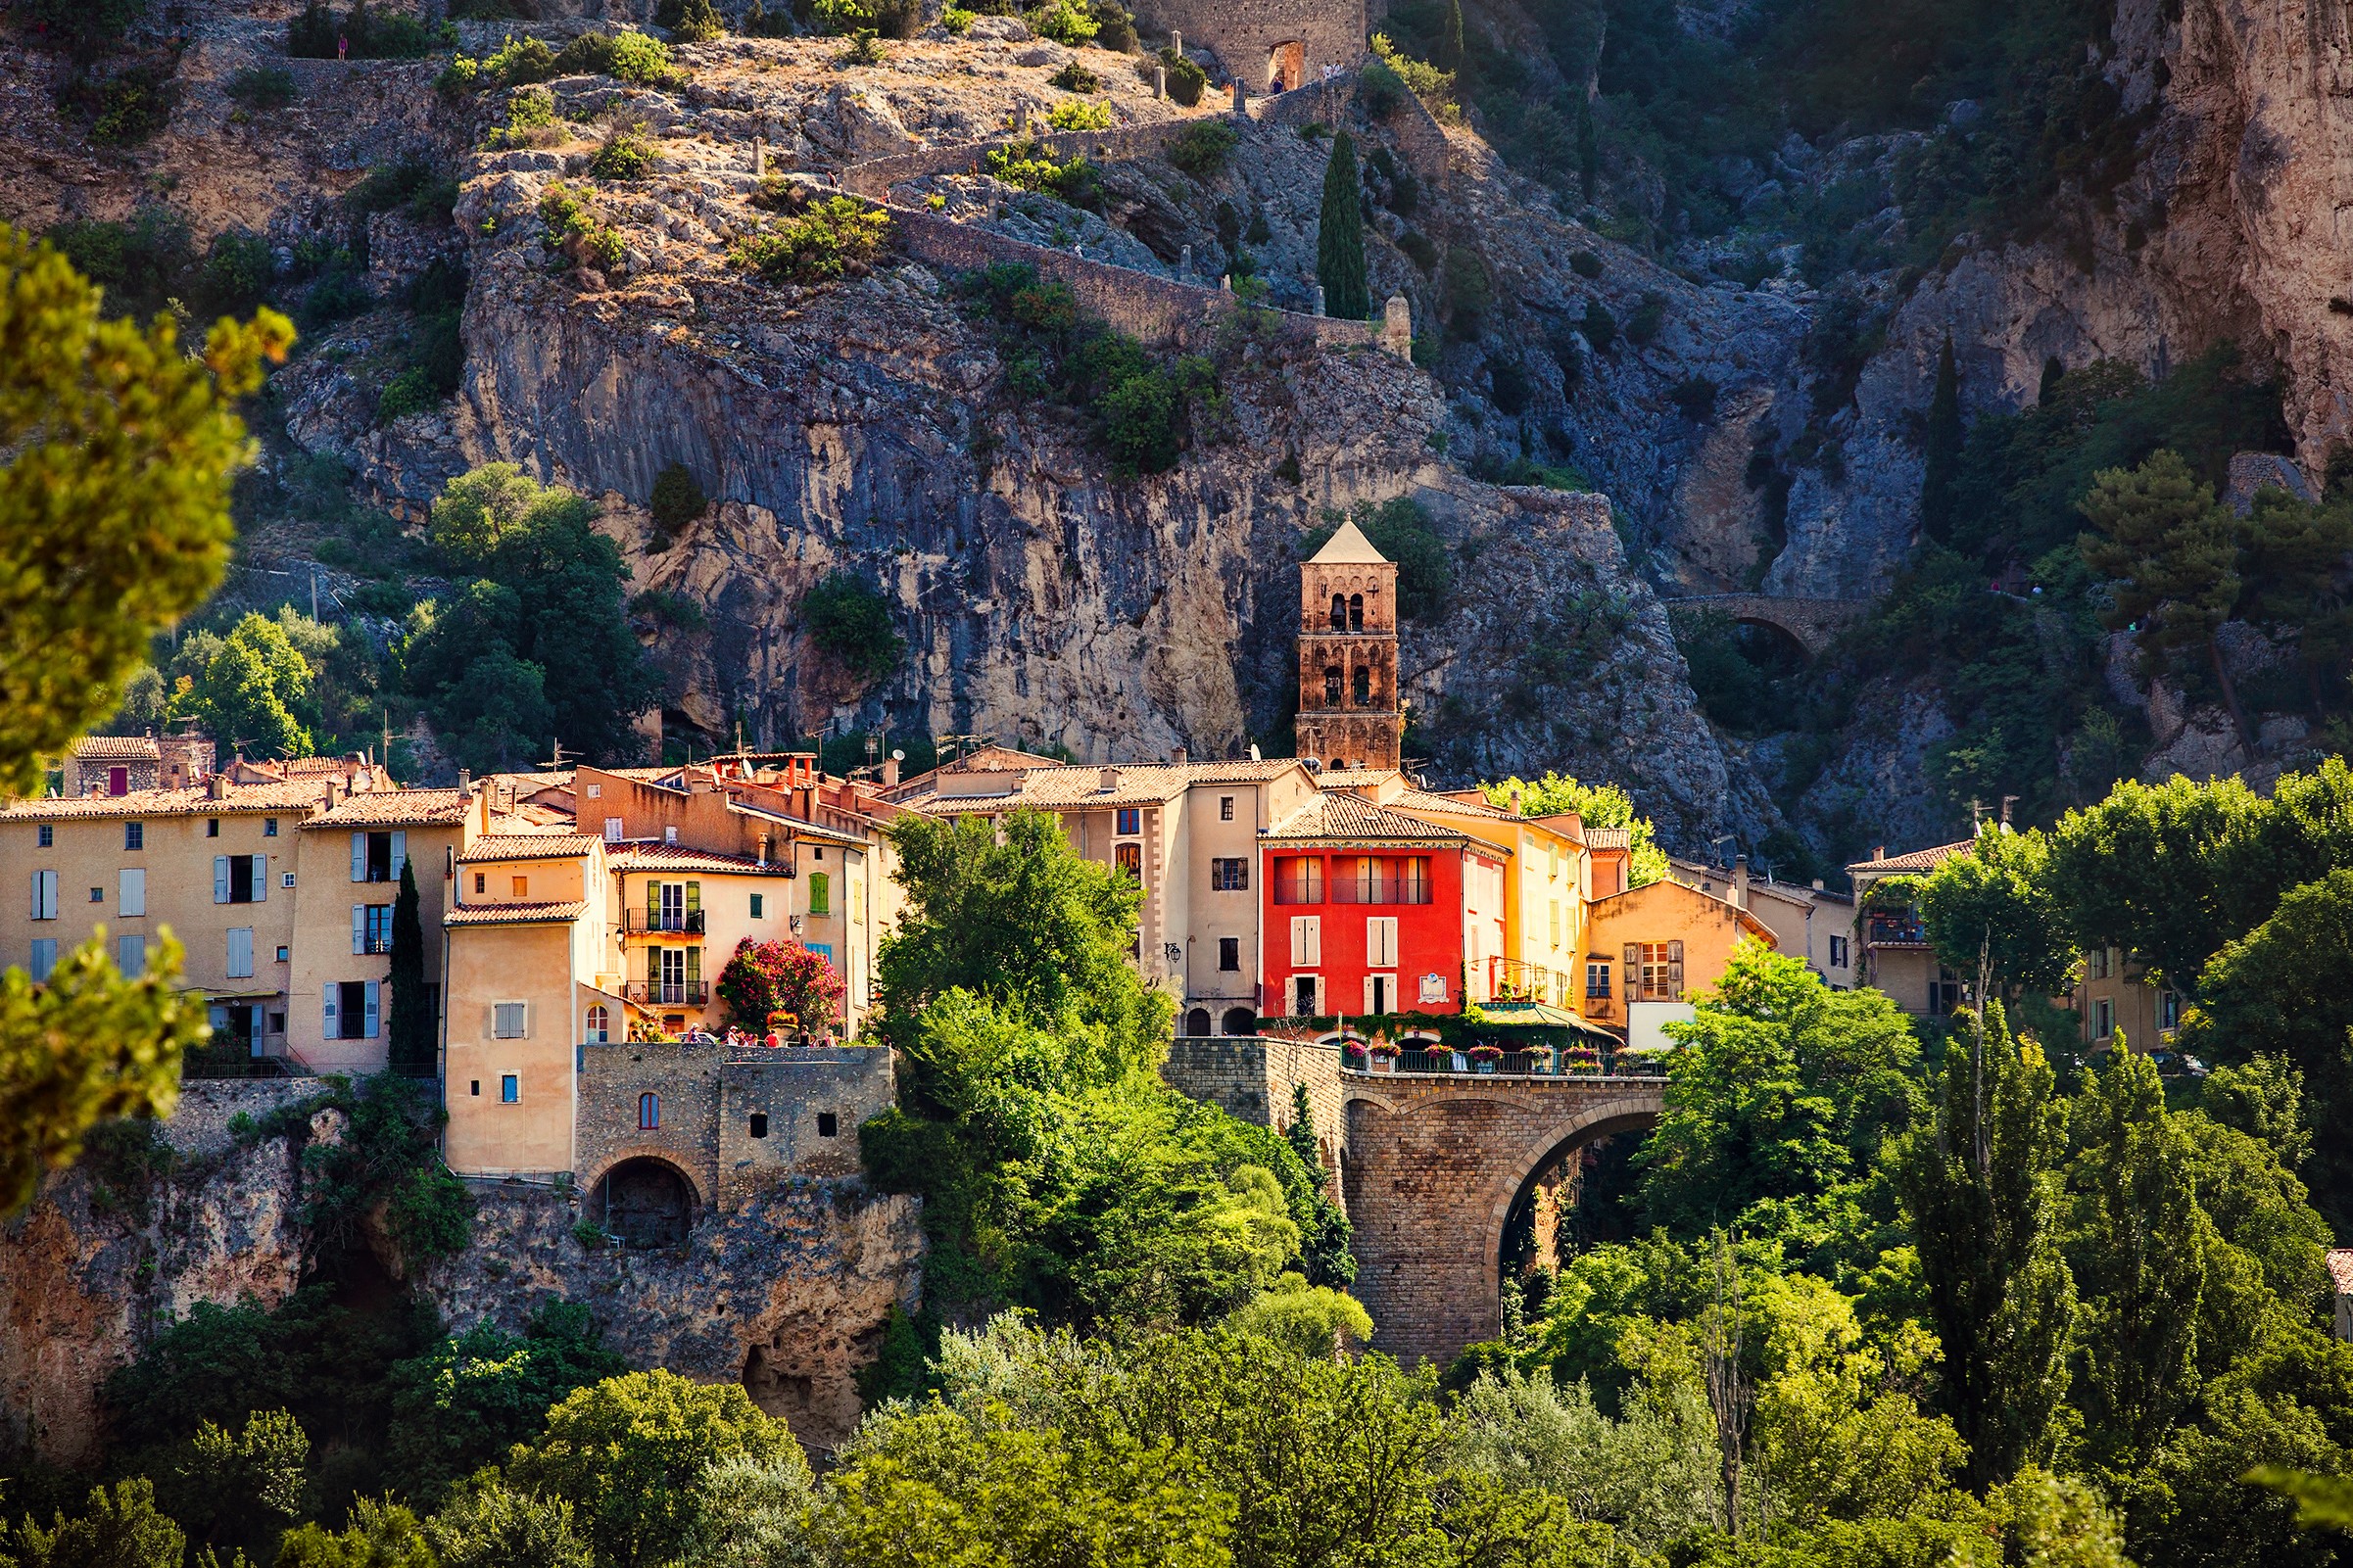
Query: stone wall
[686,1079]
[812,1103]
[875,176]
[1253,1078]
[1242,36]
[199,1127]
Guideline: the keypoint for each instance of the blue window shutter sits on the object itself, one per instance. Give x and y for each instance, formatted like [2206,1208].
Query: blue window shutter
[359,856]
[400,853]
[261,879]
[334,1029]
[220,879]
[358,928]
[371,1009]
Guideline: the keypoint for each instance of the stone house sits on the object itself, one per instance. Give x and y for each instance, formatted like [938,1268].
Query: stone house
[1268,45]
[1648,950]
[118,765]
[1894,953]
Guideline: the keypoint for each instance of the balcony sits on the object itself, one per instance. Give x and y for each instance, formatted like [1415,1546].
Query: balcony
[1895,928]
[662,923]
[668,993]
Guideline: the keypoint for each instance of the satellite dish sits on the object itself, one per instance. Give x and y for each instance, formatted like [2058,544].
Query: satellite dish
[1254,756]
[899,756]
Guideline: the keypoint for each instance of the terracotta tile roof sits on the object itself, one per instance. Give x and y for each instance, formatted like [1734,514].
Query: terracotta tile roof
[518,914]
[1341,815]
[1609,838]
[526,846]
[1355,777]
[312,767]
[1080,787]
[137,748]
[800,827]
[196,802]
[1914,860]
[394,808]
[643,854]
[2340,1270]
[1423,800]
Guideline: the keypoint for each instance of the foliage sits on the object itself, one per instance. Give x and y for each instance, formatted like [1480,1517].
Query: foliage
[114,503]
[1079,113]
[1400,529]
[1995,905]
[850,619]
[1030,165]
[491,1525]
[698,23]
[1202,149]
[236,1490]
[573,229]
[85,31]
[626,1453]
[1433,87]
[409,1026]
[764,979]
[1340,236]
[1596,806]
[379,1535]
[631,56]
[1980,1182]
[837,237]
[468,1399]
[626,153]
[249,694]
[1066,22]
[1186,80]
[118,1528]
[1940,449]
[85,1046]
[364,34]
[1072,78]
[677,499]
[1308,1320]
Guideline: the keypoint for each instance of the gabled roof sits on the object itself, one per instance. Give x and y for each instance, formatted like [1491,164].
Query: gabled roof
[526,846]
[651,854]
[124,748]
[1068,787]
[395,808]
[2340,1270]
[516,913]
[1348,548]
[193,803]
[1913,860]
[1423,800]
[1338,817]
[1609,838]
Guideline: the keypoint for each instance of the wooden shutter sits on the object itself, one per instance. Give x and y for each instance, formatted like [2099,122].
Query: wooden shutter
[241,953]
[334,1026]
[372,1013]
[359,856]
[220,879]
[1674,970]
[694,964]
[358,928]
[261,877]
[693,898]
[400,852]
[653,904]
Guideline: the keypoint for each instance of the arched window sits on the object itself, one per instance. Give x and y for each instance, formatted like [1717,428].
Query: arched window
[1364,687]
[1196,1022]
[650,1112]
[1356,612]
[1240,1020]
[1339,613]
[1331,685]
[600,1024]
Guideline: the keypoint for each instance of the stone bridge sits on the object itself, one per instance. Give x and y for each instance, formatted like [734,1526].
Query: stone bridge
[1430,1166]
[1812,623]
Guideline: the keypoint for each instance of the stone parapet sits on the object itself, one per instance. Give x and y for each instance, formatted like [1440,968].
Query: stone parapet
[1253,1079]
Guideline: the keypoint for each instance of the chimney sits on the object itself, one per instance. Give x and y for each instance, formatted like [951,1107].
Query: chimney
[1740,881]
[1108,781]
[334,791]
[1878,851]
[1517,809]
[217,787]
[465,782]
[1179,760]
[890,771]
[1817,884]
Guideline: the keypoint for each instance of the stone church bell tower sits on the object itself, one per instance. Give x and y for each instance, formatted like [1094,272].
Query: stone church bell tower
[1348,711]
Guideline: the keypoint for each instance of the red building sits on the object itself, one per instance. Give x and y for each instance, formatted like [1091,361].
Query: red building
[1368,910]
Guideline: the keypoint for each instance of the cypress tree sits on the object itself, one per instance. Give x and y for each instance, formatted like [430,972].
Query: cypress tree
[1589,147]
[1941,467]
[409,1029]
[1450,43]
[1340,236]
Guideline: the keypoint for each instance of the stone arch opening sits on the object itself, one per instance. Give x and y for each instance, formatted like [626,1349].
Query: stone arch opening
[1286,66]
[1339,612]
[1770,645]
[645,1201]
[1196,1022]
[1563,1144]
[1240,1020]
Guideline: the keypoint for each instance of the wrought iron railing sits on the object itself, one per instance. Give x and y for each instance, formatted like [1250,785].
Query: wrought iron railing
[1889,930]
[668,993]
[685,922]
[1509,1063]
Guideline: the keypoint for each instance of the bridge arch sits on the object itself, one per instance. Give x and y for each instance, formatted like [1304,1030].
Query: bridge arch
[1812,624]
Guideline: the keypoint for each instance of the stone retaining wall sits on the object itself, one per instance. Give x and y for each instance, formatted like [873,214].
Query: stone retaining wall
[875,178]
[200,1126]
[1254,1080]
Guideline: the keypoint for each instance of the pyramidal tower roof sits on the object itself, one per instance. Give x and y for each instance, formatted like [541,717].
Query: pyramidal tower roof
[1348,548]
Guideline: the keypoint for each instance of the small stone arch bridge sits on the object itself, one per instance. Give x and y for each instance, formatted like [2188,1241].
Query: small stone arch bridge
[1810,622]
[1430,1167]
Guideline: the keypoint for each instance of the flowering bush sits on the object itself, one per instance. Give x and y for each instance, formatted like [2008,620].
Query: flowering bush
[1353,1051]
[765,978]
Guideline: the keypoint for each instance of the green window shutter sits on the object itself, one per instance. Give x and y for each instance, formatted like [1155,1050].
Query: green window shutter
[653,965]
[693,964]
[653,896]
[693,897]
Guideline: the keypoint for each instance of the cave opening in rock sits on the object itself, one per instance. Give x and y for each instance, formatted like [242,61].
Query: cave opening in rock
[646,1202]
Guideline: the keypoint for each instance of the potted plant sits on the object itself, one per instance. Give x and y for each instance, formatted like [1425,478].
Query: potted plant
[1484,1055]
[1583,1058]
[1351,1053]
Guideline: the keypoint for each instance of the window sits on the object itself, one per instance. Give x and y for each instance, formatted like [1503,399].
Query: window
[2100,964]
[650,1112]
[48,835]
[829,1125]
[352,1009]
[130,956]
[286,878]
[598,1027]
[1597,982]
[378,857]
[817,850]
[282,952]
[1128,821]
[1339,612]
[1229,875]
[511,1089]
[1225,808]
[670,834]
[1333,676]
[509,1020]
[1356,612]
[44,957]
[596,792]
[1654,971]
[212,826]
[1229,955]
[1838,952]
[1307,941]
[759,1123]
[523,886]
[1129,858]
[1361,686]
[2169,1010]
[44,895]
[758,905]
[474,1087]
[241,953]
[372,928]
[240,878]
[1306,995]
[97,895]
[2103,1019]
[1380,943]
[117,781]
[1299,880]
[1380,879]
[269,826]
[613,830]
[131,892]
[1380,994]
[821,894]
[134,835]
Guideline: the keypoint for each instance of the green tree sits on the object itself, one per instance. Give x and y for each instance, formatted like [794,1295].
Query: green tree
[1779,1087]
[1981,1185]
[1340,236]
[473,1396]
[1940,449]
[410,1027]
[2292,550]
[492,1525]
[698,23]
[1308,1320]
[848,618]
[754,1514]
[379,1535]
[239,1489]
[478,511]
[85,1047]
[2172,553]
[114,503]
[118,1528]
[1996,906]
[249,693]
[1596,806]
[627,1454]
[2138,1249]
[1450,38]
